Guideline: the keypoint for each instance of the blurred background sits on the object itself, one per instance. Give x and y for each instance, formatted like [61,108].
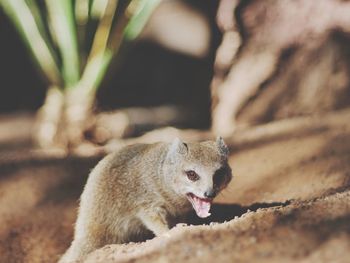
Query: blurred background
[156,71]
[99,70]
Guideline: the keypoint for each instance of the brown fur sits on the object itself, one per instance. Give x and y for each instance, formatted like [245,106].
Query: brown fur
[140,188]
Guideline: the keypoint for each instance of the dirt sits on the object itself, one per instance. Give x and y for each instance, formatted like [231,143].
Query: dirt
[289,200]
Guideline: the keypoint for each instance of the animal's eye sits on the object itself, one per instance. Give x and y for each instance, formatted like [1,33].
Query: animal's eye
[192,175]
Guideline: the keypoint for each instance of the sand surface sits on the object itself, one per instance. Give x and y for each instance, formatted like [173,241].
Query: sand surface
[289,201]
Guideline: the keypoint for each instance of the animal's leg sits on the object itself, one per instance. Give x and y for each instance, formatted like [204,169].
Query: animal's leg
[155,221]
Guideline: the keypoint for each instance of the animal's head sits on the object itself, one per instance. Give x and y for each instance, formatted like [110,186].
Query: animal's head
[199,171]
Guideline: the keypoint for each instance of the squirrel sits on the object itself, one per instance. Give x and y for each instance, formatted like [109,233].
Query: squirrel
[144,187]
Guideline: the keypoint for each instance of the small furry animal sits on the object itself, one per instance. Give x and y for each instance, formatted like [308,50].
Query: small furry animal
[144,187]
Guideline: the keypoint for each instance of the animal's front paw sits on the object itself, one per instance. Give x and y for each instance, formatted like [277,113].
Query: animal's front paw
[166,234]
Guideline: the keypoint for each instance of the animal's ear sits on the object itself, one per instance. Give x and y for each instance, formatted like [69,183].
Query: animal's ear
[177,147]
[222,147]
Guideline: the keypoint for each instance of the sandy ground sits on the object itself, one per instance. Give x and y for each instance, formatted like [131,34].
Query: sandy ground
[294,181]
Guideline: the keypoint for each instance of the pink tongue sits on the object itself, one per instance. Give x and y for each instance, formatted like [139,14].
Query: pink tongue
[201,207]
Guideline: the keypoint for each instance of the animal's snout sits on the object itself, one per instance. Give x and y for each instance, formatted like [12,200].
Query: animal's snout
[210,193]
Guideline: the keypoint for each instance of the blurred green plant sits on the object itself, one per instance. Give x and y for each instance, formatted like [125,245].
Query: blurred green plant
[73,43]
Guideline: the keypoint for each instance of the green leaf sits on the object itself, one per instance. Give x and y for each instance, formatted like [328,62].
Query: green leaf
[31,29]
[139,18]
[99,57]
[132,17]
[98,8]
[62,25]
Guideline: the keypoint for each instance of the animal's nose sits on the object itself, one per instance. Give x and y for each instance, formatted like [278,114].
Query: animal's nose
[210,193]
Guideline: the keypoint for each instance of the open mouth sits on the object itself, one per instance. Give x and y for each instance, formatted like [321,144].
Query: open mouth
[200,205]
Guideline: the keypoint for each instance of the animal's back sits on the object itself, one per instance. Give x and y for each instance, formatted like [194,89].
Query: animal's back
[146,186]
